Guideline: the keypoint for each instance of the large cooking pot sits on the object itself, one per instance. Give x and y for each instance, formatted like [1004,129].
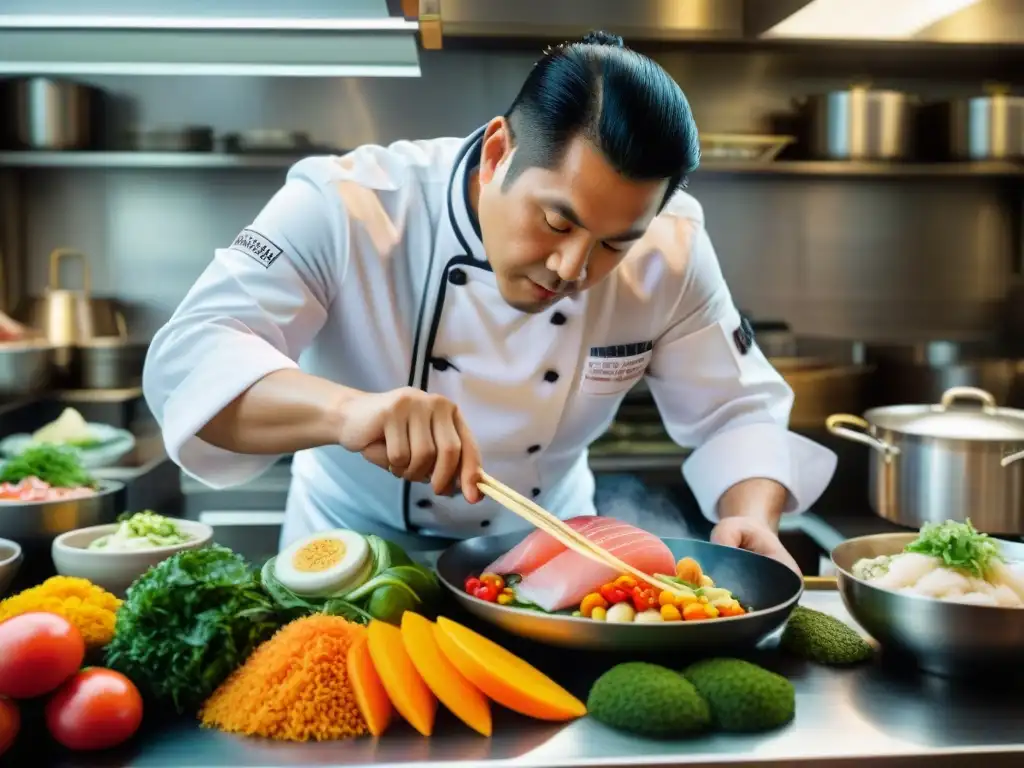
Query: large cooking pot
[949,461]
[45,114]
[859,124]
[989,127]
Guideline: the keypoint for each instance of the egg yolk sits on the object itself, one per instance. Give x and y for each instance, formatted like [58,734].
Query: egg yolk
[319,555]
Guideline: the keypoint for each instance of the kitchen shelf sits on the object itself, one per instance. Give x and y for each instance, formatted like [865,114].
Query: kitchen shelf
[219,160]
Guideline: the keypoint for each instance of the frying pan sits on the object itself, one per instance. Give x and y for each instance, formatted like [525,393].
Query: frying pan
[768,586]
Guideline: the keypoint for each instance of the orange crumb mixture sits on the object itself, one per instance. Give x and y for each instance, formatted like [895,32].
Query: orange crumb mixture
[294,687]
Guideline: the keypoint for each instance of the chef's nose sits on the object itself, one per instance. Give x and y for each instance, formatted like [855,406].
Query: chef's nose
[570,262]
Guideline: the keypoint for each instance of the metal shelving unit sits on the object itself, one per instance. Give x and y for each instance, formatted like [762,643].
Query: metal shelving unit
[217,160]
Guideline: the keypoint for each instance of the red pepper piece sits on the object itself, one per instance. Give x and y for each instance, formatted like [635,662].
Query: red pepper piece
[486,592]
[643,599]
[472,584]
[614,594]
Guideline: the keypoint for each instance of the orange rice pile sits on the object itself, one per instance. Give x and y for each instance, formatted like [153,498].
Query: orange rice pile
[294,687]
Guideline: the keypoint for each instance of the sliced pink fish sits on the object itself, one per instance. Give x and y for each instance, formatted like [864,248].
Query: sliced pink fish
[565,579]
[539,547]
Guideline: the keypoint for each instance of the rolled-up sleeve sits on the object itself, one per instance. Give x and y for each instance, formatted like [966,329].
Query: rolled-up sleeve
[722,397]
[252,312]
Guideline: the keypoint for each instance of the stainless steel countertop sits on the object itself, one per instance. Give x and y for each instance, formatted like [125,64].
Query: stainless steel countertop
[872,716]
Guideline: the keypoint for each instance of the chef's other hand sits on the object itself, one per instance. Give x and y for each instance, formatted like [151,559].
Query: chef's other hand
[754,536]
[416,436]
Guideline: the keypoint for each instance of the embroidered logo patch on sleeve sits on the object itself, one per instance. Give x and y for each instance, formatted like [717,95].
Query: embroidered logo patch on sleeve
[743,336]
[257,247]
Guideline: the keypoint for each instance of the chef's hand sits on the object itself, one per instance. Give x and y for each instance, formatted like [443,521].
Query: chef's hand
[416,436]
[754,535]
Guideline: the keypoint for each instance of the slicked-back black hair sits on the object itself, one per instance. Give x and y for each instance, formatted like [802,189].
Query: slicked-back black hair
[621,101]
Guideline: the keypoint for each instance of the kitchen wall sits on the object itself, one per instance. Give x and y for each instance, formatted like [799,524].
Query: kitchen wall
[866,257]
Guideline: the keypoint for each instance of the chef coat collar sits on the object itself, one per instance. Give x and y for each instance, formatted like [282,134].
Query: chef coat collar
[463,220]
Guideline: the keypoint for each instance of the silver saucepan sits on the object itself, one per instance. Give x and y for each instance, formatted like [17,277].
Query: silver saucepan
[949,461]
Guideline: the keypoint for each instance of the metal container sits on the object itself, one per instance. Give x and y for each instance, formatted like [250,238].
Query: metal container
[859,124]
[934,463]
[768,586]
[820,388]
[989,127]
[944,638]
[45,114]
[38,523]
[107,363]
[26,367]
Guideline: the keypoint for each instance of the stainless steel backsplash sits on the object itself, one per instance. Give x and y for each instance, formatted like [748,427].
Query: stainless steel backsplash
[882,257]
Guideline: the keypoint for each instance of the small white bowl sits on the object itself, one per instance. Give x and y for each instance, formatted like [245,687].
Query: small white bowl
[115,571]
[10,562]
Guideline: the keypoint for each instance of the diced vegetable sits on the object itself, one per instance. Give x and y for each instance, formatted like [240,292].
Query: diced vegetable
[650,616]
[670,613]
[590,602]
[599,614]
[620,613]
[614,594]
[689,570]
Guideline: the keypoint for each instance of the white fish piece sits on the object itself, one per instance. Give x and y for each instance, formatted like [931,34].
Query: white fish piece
[1008,574]
[1006,597]
[943,582]
[906,570]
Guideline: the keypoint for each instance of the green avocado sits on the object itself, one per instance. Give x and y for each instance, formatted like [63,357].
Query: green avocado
[743,697]
[648,700]
[824,639]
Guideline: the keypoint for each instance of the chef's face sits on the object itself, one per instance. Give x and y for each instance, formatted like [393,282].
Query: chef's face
[552,233]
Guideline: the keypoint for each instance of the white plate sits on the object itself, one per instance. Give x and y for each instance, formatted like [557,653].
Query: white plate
[114,445]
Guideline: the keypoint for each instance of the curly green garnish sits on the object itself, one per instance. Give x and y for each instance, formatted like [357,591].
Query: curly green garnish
[958,545]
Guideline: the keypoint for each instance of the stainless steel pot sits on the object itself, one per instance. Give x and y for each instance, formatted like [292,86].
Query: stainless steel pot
[35,523]
[944,462]
[859,124]
[989,127]
[26,367]
[45,114]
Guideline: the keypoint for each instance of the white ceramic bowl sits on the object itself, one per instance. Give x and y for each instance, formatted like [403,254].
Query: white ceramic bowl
[10,562]
[115,571]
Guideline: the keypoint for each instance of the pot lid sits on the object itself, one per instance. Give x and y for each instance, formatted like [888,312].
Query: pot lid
[965,413]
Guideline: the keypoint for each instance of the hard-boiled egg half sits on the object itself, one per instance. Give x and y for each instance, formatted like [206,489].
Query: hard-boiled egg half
[324,563]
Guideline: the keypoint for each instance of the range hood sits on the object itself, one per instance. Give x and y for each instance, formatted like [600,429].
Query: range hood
[970,22]
[269,38]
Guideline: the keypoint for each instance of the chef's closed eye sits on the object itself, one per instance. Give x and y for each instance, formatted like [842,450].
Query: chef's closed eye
[557,223]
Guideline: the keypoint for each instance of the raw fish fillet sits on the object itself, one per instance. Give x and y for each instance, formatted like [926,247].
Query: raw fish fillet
[558,578]
[537,548]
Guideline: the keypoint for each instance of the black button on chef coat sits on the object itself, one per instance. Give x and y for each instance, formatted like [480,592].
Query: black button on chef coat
[457,276]
[558,319]
[551,377]
[533,449]
[440,364]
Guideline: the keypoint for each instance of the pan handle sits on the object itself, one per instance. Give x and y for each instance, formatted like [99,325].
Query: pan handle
[953,394]
[1008,460]
[839,424]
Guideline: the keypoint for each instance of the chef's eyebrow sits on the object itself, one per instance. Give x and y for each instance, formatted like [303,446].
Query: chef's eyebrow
[566,212]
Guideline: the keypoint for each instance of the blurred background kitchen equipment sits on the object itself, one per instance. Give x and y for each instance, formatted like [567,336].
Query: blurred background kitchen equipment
[945,638]
[267,140]
[740,146]
[984,127]
[819,386]
[10,562]
[189,138]
[920,372]
[932,463]
[108,362]
[858,124]
[41,113]
[27,366]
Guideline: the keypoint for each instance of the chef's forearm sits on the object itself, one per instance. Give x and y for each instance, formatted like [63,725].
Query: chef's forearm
[757,498]
[284,412]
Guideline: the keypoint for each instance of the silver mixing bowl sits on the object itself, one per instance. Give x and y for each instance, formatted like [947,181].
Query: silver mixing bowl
[950,639]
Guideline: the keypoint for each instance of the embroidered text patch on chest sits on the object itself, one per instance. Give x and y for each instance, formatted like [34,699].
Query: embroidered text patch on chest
[257,247]
[614,369]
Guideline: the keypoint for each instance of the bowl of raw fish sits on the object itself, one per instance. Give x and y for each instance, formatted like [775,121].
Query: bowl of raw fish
[946,622]
[767,587]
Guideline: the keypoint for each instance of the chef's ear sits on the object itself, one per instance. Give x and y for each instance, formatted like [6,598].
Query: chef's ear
[496,148]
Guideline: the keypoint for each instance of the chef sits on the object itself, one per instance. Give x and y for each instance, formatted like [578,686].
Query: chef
[401,316]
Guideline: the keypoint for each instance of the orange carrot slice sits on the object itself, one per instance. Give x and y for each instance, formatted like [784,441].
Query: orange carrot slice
[503,676]
[460,696]
[406,689]
[371,697]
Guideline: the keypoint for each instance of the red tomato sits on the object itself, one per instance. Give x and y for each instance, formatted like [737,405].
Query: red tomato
[472,584]
[486,592]
[96,709]
[10,723]
[38,652]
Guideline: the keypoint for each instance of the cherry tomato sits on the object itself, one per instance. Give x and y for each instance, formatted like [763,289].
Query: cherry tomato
[486,592]
[10,723]
[472,584]
[643,599]
[38,652]
[96,709]
[494,580]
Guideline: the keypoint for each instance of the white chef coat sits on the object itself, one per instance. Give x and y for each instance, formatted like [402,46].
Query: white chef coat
[368,269]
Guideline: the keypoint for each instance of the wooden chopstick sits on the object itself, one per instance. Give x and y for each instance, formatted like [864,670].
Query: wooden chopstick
[553,526]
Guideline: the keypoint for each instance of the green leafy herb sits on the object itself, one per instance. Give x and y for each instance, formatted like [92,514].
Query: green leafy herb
[60,467]
[190,621]
[958,545]
[395,585]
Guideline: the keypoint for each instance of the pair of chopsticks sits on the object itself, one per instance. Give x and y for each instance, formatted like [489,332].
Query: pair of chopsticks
[543,520]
